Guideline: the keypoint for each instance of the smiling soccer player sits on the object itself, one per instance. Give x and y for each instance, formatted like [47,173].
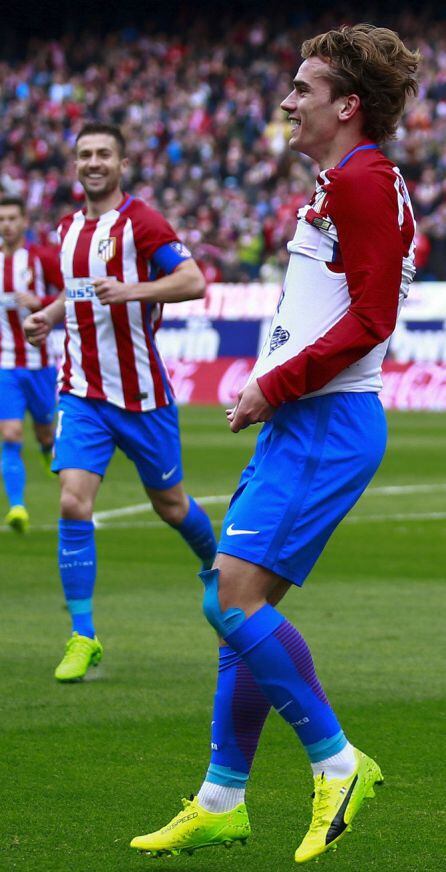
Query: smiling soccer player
[121,261]
[315,384]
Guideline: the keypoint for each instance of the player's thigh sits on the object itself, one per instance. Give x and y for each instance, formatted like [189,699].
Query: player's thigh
[12,396]
[41,394]
[83,439]
[152,441]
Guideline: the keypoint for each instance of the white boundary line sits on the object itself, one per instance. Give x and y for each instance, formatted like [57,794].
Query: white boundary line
[215,499]
[147,507]
[158,525]
[139,508]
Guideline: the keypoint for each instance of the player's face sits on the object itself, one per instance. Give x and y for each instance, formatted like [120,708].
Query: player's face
[12,224]
[314,117]
[99,165]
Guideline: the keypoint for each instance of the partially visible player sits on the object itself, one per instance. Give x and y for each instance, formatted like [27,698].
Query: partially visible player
[121,261]
[316,384]
[30,279]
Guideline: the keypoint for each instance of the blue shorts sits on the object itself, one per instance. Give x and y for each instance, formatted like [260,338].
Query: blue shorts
[32,390]
[312,462]
[88,431]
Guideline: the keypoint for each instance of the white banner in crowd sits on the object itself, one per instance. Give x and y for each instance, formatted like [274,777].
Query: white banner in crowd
[210,345]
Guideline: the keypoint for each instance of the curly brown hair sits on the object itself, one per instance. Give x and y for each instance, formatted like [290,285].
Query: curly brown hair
[373,63]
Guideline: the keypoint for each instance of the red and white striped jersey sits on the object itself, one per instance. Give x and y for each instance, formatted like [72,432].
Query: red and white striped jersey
[31,269]
[110,351]
[351,264]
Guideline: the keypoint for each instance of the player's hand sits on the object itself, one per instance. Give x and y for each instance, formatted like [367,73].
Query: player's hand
[36,327]
[28,301]
[252,407]
[108,290]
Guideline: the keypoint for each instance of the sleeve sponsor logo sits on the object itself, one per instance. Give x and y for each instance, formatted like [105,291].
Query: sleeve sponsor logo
[181,249]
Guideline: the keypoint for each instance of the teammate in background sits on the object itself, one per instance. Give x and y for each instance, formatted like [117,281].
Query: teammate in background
[120,261]
[315,384]
[29,280]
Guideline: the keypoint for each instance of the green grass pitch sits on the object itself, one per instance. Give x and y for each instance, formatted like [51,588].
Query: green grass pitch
[86,767]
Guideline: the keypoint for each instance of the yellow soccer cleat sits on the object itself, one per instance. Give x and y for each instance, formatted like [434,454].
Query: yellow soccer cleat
[193,828]
[18,519]
[335,804]
[80,653]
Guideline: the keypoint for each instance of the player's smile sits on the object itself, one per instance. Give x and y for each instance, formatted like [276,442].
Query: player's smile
[99,165]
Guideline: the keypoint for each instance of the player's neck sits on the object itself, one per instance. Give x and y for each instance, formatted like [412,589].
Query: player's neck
[335,150]
[11,248]
[96,208]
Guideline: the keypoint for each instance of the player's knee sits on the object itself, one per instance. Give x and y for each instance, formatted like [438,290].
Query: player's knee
[224,622]
[74,506]
[172,511]
[11,431]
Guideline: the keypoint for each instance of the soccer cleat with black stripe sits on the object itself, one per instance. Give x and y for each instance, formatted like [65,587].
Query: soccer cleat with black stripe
[335,803]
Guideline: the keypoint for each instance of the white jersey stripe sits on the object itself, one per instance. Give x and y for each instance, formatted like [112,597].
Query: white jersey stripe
[78,381]
[130,273]
[105,335]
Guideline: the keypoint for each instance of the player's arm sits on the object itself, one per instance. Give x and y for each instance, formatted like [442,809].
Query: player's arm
[371,243]
[156,243]
[39,324]
[185,282]
[53,284]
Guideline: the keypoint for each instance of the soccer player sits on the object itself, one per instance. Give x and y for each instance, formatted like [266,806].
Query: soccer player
[29,279]
[315,384]
[120,261]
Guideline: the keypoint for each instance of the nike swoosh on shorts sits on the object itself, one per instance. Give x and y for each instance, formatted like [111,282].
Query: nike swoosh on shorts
[233,532]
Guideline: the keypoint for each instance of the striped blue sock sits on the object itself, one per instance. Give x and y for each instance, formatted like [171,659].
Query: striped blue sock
[13,472]
[240,710]
[281,663]
[77,565]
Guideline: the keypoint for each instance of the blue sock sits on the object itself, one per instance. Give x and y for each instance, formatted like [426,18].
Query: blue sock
[77,565]
[240,711]
[197,531]
[13,471]
[280,661]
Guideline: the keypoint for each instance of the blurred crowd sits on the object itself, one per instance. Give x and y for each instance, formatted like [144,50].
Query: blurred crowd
[206,138]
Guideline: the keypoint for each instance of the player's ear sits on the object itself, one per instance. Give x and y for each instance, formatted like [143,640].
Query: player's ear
[124,164]
[349,105]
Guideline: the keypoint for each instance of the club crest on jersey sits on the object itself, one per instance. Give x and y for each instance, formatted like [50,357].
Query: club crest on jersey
[279,337]
[107,248]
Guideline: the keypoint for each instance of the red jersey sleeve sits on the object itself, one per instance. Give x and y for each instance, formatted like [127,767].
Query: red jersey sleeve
[364,209]
[50,261]
[150,229]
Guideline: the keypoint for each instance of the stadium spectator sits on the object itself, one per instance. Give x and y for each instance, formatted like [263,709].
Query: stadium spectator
[205,137]
[29,280]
